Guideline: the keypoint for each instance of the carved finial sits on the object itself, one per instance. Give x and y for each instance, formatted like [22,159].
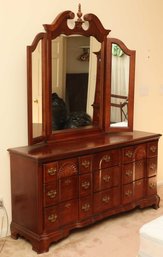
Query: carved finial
[79,14]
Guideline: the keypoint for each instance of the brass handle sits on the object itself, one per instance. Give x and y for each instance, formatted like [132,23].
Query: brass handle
[128,173]
[52,171]
[106,178]
[52,218]
[153,166]
[86,207]
[105,199]
[138,183]
[35,101]
[68,205]
[85,184]
[129,154]
[153,148]
[106,158]
[152,185]
[68,182]
[52,194]
[128,193]
[85,163]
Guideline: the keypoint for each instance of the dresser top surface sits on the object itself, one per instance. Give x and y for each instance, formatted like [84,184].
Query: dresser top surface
[84,145]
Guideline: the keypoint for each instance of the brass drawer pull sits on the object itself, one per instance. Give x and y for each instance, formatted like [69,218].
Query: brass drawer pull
[152,185]
[138,183]
[106,158]
[106,178]
[128,193]
[67,182]
[52,194]
[128,173]
[153,167]
[85,164]
[68,205]
[86,207]
[52,171]
[52,218]
[153,148]
[129,154]
[85,184]
[106,199]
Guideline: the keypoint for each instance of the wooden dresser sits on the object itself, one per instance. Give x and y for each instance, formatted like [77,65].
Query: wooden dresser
[57,188]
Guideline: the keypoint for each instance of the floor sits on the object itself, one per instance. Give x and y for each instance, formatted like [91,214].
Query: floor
[115,237]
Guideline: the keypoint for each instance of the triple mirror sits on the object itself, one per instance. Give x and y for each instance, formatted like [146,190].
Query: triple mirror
[80,81]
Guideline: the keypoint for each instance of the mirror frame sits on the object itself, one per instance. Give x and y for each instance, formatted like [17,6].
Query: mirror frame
[108,72]
[57,27]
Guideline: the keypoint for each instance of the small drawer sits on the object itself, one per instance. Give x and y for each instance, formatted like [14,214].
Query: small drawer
[152,186]
[152,167]
[140,168]
[68,212]
[103,201]
[50,194]
[134,153]
[85,207]
[68,188]
[128,173]
[139,189]
[51,218]
[106,178]
[127,193]
[106,159]
[85,164]
[106,200]
[50,171]
[152,149]
[85,184]
[67,167]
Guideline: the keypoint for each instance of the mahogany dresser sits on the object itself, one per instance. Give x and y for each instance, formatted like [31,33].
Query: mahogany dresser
[57,188]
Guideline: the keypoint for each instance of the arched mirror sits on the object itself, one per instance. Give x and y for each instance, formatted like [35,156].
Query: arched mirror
[120,88]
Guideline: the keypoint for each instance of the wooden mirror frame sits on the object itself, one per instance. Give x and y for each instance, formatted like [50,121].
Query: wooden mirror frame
[57,27]
[108,67]
[101,105]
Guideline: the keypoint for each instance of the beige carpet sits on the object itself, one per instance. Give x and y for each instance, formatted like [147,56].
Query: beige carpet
[115,237]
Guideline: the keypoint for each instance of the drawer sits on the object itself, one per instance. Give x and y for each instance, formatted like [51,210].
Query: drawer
[85,207]
[106,178]
[68,212]
[85,164]
[85,184]
[133,171]
[68,188]
[152,149]
[134,153]
[140,169]
[50,194]
[151,186]
[128,173]
[152,167]
[106,200]
[67,167]
[139,189]
[52,219]
[106,159]
[127,195]
[50,171]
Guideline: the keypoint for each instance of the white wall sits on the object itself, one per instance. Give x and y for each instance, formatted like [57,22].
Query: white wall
[137,23]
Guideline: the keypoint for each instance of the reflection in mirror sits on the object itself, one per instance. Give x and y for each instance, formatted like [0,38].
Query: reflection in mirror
[119,87]
[74,65]
[37,90]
